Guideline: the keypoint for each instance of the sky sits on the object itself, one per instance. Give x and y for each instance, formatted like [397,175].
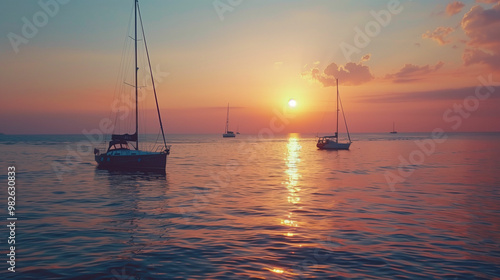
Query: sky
[422,65]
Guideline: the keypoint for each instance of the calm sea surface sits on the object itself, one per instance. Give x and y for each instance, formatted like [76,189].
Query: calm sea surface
[389,208]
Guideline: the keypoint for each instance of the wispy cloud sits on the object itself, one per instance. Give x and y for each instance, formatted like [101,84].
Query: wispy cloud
[366,57]
[439,34]
[454,8]
[412,72]
[488,1]
[431,95]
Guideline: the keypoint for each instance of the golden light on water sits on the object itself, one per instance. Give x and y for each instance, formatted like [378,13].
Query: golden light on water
[289,222]
[292,181]
[292,160]
[277,270]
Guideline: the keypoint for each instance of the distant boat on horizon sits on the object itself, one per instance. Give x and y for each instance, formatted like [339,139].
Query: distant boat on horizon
[393,128]
[227,132]
[119,155]
[332,142]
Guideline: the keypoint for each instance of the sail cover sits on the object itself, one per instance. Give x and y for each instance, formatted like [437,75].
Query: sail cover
[124,137]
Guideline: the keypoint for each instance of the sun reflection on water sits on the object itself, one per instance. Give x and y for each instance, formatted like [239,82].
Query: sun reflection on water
[292,159]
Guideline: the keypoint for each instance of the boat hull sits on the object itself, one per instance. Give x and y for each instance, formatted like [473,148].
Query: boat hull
[143,162]
[228,135]
[331,145]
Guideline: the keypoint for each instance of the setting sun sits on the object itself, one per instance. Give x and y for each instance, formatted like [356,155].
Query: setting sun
[292,103]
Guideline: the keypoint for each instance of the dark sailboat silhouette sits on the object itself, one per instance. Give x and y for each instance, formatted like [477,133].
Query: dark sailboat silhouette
[227,132]
[119,155]
[393,128]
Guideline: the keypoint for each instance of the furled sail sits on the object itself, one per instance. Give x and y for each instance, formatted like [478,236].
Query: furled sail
[124,137]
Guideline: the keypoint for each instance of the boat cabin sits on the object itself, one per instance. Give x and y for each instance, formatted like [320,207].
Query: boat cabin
[327,139]
[118,145]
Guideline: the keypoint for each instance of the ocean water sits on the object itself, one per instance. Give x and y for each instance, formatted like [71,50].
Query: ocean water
[401,206]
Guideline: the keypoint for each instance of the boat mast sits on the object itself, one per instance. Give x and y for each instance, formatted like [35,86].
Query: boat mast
[337,131]
[227,118]
[152,78]
[136,70]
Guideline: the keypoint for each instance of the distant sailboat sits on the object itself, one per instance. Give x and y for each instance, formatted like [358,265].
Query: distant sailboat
[332,142]
[119,156]
[227,132]
[393,128]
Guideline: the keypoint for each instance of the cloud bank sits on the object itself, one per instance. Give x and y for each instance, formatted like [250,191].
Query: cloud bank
[482,26]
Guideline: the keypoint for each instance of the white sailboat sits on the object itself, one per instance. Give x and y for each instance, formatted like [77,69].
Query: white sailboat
[332,142]
[123,151]
[227,132]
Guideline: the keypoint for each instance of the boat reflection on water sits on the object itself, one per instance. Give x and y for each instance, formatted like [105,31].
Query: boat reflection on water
[124,175]
[136,210]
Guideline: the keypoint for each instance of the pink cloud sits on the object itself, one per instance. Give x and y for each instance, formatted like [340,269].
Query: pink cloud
[454,8]
[412,72]
[439,34]
[482,26]
[350,74]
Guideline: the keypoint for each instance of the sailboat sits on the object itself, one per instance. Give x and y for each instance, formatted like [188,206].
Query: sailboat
[332,142]
[120,155]
[393,128]
[227,132]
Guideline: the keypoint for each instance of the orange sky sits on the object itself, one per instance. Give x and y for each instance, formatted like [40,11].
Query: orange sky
[413,63]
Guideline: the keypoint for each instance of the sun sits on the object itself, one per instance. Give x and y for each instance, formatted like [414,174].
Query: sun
[292,103]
